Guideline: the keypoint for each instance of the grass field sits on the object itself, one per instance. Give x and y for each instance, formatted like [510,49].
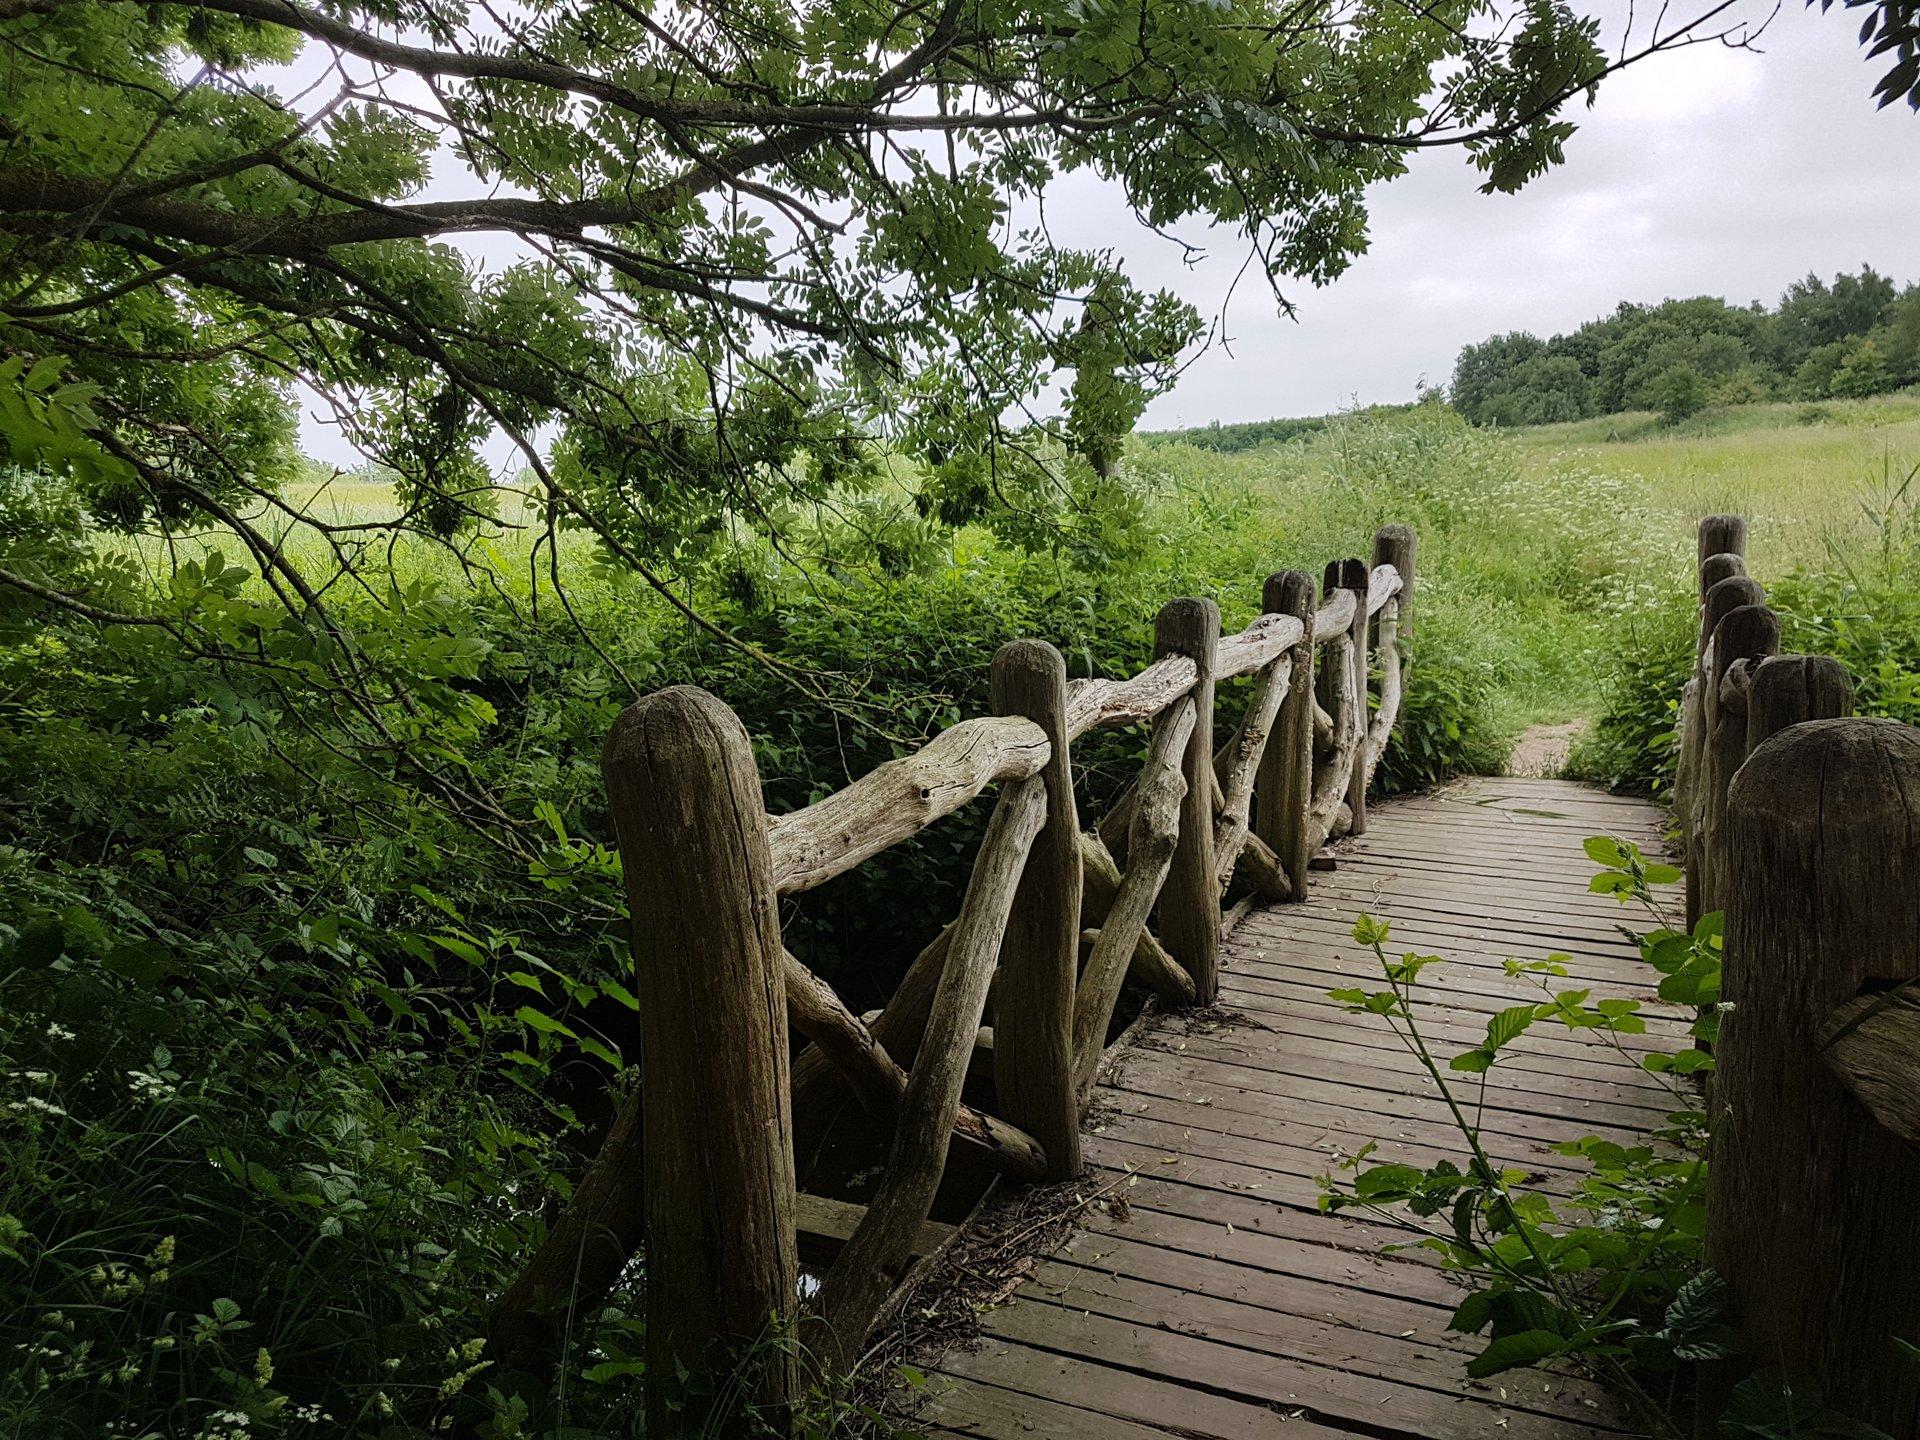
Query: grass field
[1545,550]
[1800,472]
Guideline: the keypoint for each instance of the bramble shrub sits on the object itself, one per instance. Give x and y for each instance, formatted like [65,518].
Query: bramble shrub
[1630,747]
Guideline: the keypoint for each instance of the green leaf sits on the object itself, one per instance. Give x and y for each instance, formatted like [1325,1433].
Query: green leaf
[1511,1352]
[1604,850]
[545,1024]
[1471,1315]
[1369,930]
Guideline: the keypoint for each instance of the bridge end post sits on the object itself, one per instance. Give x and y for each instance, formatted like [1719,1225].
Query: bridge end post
[719,1201]
[1810,1187]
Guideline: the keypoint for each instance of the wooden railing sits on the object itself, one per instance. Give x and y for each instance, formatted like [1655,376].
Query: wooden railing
[1801,824]
[1054,922]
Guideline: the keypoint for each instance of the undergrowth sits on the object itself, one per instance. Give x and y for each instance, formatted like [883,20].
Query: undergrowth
[1611,1277]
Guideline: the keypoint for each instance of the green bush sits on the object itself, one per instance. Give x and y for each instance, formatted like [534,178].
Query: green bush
[1859,604]
[1630,747]
[1452,720]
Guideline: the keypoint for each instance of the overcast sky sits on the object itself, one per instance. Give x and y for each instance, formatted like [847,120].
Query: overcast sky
[1706,171]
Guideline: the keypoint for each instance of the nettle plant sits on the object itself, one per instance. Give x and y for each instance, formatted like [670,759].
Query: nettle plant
[1610,1274]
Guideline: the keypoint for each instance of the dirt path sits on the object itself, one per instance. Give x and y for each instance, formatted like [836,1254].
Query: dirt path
[1542,749]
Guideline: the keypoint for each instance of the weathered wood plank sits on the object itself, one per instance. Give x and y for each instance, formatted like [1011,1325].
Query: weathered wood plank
[1221,1292]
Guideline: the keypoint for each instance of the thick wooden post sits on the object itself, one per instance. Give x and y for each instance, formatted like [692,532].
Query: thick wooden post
[1720,535]
[1724,597]
[1190,900]
[1040,956]
[1810,1212]
[1793,689]
[1713,570]
[1399,546]
[1283,791]
[1355,576]
[1744,636]
[721,1246]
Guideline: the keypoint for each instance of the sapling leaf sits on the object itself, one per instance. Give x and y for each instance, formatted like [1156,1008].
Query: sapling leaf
[1511,1352]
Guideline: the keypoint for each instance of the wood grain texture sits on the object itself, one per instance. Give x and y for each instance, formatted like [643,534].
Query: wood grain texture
[1396,548]
[1810,1213]
[1334,617]
[1239,764]
[1336,768]
[1720,535]
[867,1269]
[1219,1302]
[719,1183]
[1151,967]
[901,798]
[880,1085]
[1190,899]
[1040,953]
[1156,831]
[1261,868]
[1357,577]
[1283,787]
[1257,646]
[1792,689]
[1092,703]
[1386,714]
[1872,1045]
[1744,635]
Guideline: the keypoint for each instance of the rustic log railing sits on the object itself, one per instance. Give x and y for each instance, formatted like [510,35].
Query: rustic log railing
[1801,823]
[1055,920]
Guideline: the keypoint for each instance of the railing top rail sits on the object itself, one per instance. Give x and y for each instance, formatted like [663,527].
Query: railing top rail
[897,800]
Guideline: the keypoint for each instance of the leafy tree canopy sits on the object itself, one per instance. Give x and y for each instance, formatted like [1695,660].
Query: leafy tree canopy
[748,241]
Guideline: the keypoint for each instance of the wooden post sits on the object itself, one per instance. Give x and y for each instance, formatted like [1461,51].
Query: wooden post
[1728,590]
[1745,635]
[1715,568]
[1040,957]
[1350,575]
[1725,596]
[870,1265]
[1283,791]
[1793,689]
[721,1245]
[1810,1209]
[1399,546]
[1190,899]
[1355,576]
[1720,535]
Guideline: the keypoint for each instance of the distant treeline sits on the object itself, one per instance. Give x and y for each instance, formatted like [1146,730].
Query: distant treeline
[1859,335]
[1251,434]
[1231,439]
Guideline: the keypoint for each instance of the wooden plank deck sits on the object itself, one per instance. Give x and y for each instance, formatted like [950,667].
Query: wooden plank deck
[1217,1303]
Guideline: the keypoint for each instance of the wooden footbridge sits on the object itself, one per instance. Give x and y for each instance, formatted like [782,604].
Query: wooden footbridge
[1200,1291]
[1216,1300]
